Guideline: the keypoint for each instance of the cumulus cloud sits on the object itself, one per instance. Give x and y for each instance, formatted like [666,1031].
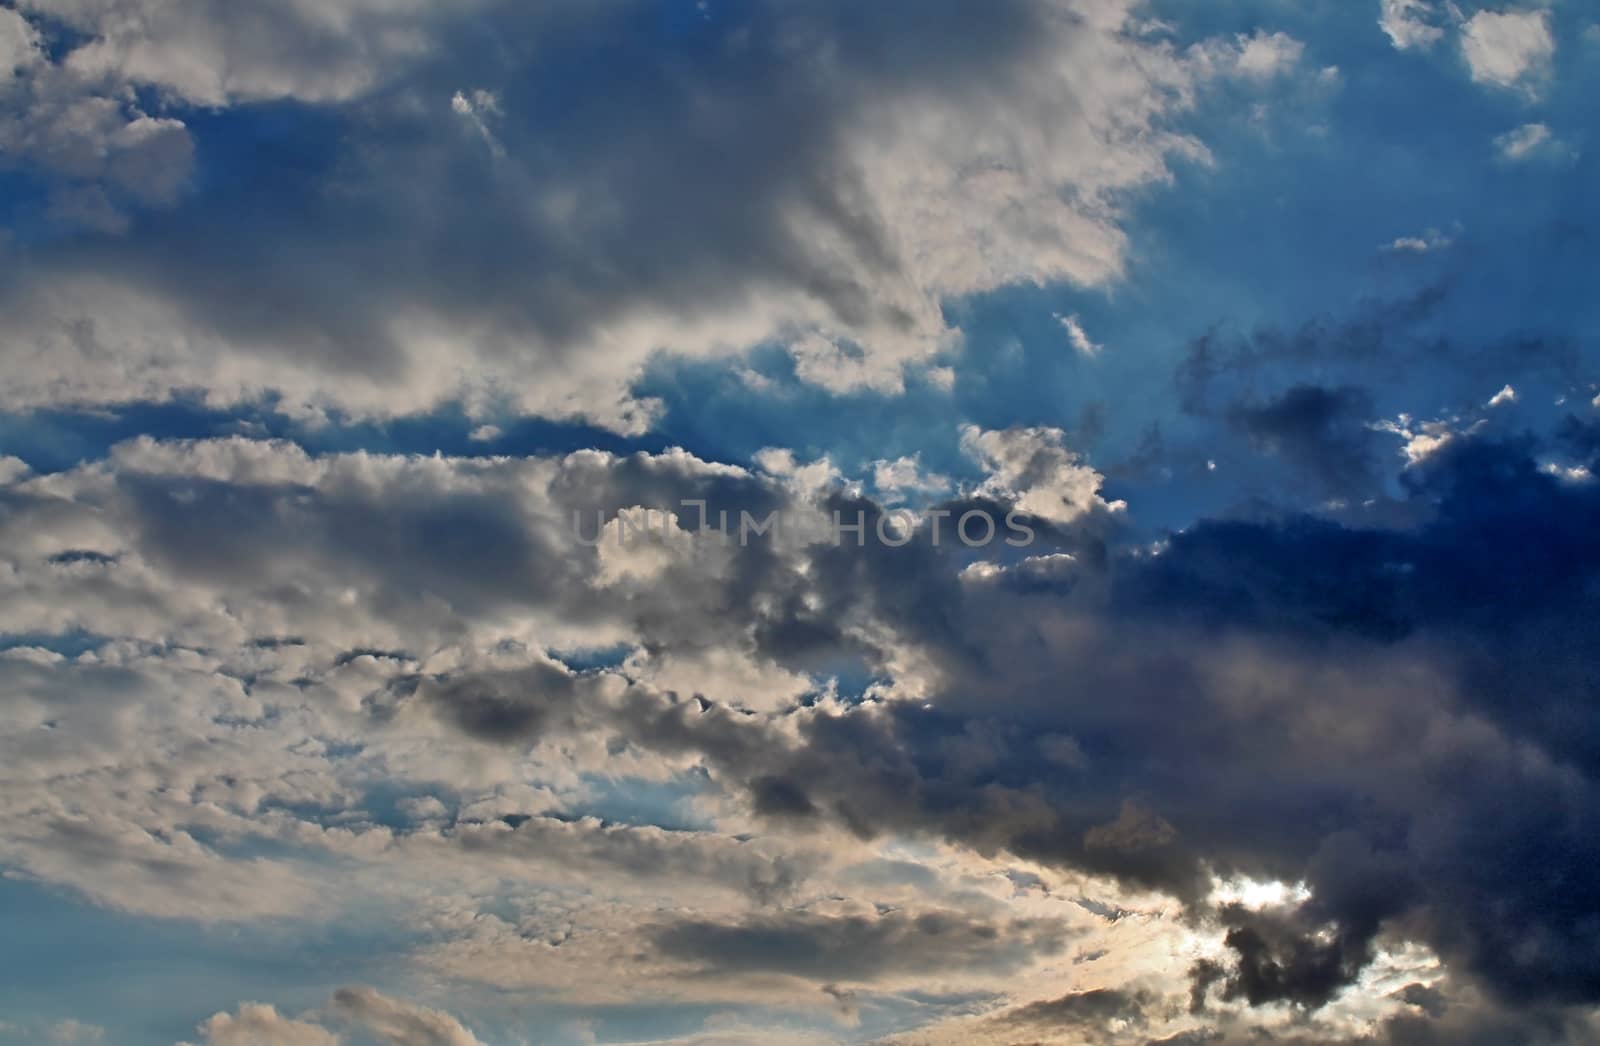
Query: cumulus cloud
[257,1024]
[1512,49]
[1259,56]
[869,168]
[396,1022]
[1410,23]
[208,56]
[1034,467]
[105,155]
[1528,141]
[383,1019]
[269,603]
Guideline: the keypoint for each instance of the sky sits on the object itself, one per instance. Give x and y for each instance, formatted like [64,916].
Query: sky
[797,522]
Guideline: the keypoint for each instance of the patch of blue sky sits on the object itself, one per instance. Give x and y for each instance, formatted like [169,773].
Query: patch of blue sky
[594,659]
[67,644]
[666,804]
[148,982]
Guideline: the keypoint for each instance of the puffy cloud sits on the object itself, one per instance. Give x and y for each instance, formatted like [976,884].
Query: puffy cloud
[104,153]
[257,1024]
[207,55]
[72,1030]
[1258,56]
[1033,467]
[1409,23]
[869,168]
[292,630]
[1509,48]
[1529,141]
[1265,55]
[893,480]
[396,1022]
[386,1020]
[19,43]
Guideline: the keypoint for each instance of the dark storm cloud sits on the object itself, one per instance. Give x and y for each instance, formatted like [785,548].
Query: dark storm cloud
[1290,699]
[1401,718]
[1280,961]
[1322,432]
[1296,417]
[1382,339]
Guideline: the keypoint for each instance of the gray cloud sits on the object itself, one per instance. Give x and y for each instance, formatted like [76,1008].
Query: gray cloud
[750,180]
[855,948]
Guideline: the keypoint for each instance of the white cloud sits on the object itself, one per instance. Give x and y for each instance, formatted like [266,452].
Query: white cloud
[1528,141]
[1077,336]
[1265,55]
[386,1020]
[1422,440]
[1409,23]
[1259,56]
[396,1022]
[1431,240]
[203,53]
[1034,467]
[1509,48]
[1504,396]
[257,1024]
[12,469]
[76,1031]
[477,108]
[19,44]
[895,480]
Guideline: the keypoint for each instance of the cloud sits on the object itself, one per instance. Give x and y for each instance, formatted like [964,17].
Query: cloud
[1432,240]
[1096,1015]
[76,1031]
[386,1020]
[1077,337]
[257,1024]
[1266,55]
[200,52]
[1259,56]
[1512,49]
[19,43]
[104,155]
[266,608]
[894,480]
[1529,141]
[1323,432]
[1409,23]
[856,949]
[396,1022]
[869,169]
[1033,467]
[1507,394]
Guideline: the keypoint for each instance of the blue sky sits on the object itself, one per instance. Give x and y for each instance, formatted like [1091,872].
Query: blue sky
[1274,321]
